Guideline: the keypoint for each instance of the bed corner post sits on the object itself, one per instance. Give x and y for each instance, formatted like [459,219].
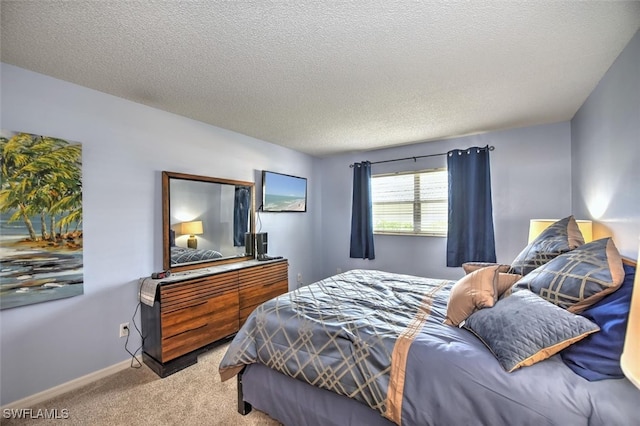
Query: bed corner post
[244,408]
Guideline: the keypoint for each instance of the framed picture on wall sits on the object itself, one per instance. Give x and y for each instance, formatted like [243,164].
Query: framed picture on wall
[41,235]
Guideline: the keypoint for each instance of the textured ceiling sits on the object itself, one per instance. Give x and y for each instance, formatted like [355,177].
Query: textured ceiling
[324,77]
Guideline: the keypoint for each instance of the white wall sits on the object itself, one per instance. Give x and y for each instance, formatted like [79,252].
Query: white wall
[605,153]
[531,178]
[125,148]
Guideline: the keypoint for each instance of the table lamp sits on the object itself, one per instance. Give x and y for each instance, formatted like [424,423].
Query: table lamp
[192,228]
[536,226]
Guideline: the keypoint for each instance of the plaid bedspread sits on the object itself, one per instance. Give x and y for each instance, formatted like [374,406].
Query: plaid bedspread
[349,333]
[379,338]
[186,255]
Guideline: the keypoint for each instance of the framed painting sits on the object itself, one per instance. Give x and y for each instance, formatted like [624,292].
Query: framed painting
[41,256]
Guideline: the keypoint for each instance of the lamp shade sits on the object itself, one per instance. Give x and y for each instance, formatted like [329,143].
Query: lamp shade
[536,226]
[630,360]
[191,228]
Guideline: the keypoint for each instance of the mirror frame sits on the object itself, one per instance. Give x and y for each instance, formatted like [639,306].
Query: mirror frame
[166,225]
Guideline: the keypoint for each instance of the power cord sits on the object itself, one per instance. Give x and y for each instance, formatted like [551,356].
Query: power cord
[135,360]
[258,217]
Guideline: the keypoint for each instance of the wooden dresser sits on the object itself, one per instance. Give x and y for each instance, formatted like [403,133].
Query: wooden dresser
[194,310]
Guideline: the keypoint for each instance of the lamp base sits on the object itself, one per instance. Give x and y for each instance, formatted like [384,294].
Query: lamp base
[192,242]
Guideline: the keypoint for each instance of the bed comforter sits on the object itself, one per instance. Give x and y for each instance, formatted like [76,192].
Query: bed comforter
[187,255]
[379,338]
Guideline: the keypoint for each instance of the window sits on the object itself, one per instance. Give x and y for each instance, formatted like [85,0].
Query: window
[411,203]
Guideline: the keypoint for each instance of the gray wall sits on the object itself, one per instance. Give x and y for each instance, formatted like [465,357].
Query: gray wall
[605,153]
[531,178]
[125,147]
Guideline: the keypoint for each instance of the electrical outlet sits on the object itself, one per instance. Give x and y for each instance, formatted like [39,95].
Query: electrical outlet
[299,277]
[338,270]
[124,329]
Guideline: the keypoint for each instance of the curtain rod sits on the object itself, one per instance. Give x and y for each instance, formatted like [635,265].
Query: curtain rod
[491,148]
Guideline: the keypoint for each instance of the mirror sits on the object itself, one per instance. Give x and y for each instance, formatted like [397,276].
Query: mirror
[204,220]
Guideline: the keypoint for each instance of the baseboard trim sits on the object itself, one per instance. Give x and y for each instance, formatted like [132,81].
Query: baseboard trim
[74,384]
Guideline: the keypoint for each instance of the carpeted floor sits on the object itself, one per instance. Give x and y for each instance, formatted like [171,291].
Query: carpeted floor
[193,396]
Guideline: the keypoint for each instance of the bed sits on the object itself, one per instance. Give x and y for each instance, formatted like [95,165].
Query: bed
[378,348]
[181,255]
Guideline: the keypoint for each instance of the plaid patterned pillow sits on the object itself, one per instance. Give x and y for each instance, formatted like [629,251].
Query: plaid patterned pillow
[579,278]
[560,237]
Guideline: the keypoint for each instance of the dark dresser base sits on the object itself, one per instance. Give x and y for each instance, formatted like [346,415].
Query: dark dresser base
[168,368]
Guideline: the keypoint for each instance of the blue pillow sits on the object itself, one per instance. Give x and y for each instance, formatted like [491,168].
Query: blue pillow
[523,329]
[597,356]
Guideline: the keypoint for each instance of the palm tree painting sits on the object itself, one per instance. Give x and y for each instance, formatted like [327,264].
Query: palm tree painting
[40,219]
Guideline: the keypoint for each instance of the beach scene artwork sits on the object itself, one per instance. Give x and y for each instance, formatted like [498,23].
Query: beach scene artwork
[284,193]
[40,219]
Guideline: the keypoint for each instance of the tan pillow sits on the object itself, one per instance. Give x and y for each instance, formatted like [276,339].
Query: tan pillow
[469,267]
[505,282]
[474,291]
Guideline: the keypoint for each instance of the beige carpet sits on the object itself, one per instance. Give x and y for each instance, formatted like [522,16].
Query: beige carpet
[193,396]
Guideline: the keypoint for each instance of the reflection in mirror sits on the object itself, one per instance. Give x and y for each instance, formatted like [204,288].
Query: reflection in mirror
[204,220]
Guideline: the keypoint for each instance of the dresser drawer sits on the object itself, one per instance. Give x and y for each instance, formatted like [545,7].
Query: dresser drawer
[260,284]
[191,328]
[198,312]
[181,295]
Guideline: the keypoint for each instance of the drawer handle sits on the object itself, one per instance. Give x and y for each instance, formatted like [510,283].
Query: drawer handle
[184,307]
[186,331]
